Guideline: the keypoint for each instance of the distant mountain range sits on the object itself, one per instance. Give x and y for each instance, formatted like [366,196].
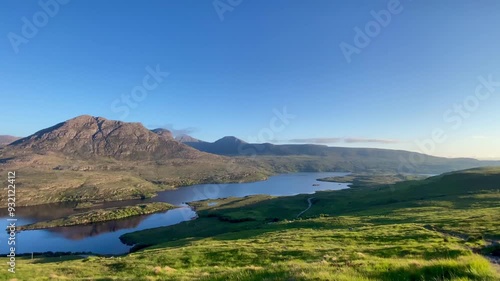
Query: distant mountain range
[234,146]
[224,146]
[312,157]
[95,159]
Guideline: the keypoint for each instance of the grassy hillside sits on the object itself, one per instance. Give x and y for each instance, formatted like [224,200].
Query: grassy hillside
[419,230]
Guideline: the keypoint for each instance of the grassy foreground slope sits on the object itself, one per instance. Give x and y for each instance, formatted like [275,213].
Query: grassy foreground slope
[417,230]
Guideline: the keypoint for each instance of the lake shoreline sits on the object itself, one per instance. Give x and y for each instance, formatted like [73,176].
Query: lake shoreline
[89,237]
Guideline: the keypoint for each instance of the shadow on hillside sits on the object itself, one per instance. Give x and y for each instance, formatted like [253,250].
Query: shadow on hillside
[43,260]
[403,252]
[5,160]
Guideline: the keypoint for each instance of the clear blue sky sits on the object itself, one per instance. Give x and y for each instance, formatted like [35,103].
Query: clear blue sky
[226,76]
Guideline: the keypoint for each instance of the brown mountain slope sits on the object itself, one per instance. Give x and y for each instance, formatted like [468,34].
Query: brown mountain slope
[87,137]
[94,159]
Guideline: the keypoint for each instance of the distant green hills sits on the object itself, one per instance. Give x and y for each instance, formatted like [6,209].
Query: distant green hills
[312,158]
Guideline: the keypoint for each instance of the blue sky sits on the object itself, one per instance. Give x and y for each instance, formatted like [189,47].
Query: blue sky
[230,76]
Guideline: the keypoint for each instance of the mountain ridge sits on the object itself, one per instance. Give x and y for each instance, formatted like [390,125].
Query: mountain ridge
[87,136]
[317,157]
[94,159]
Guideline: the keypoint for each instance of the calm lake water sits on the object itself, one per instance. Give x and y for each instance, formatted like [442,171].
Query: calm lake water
[103,238]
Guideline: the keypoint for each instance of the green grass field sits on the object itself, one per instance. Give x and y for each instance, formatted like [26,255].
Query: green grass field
[435,229]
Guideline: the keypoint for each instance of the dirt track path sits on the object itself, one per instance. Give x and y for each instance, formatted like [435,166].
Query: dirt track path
[309,207]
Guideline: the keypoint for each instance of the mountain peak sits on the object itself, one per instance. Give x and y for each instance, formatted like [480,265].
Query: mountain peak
[87,136]
[83,117]
[229,140]
[86,119]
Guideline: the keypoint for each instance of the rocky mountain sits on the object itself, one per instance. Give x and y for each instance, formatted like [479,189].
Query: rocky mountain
[6,139]
[87,136]
[95,159]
